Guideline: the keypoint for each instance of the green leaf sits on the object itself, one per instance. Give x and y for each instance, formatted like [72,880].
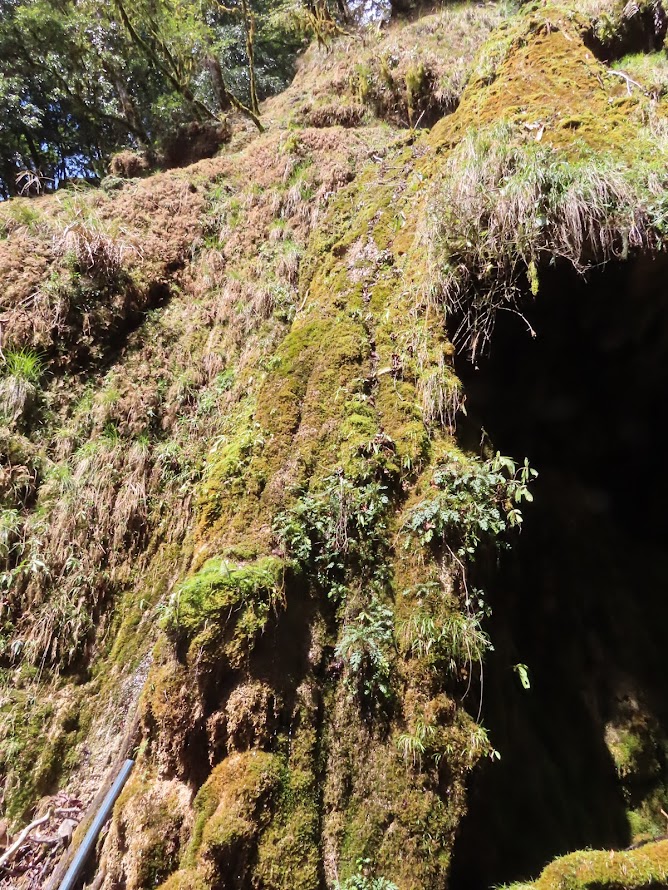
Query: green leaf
[522,672]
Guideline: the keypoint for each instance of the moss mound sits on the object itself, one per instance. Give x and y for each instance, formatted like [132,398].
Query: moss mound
[631,869]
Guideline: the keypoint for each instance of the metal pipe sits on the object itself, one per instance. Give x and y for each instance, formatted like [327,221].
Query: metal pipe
[69,882]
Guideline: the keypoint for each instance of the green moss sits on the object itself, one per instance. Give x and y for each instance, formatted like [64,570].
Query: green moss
[135,610]
[319,364]
[158,832]
[226,481]
[638,747]
[631,869]
[187,880]
[231,808]
[538,68]
[35,762]
[288,853]
[389,814]
[417,84]
[225,605]
[646,821]
[635,753]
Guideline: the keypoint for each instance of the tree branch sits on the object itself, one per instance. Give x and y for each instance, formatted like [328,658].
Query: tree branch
[182,89]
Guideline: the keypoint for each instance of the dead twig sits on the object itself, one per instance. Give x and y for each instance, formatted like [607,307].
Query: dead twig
[629,81]
[20,840]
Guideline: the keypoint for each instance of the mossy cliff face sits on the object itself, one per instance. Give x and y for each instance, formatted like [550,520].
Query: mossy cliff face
[296,520]
[318,474]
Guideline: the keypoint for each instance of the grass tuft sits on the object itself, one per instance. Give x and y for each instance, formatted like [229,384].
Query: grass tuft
[22,364]
[505,207]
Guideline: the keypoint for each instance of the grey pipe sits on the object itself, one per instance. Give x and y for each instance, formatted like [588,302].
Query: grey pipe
[69,882]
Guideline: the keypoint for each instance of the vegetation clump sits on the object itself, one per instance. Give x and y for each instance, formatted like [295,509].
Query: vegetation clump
[365,648]
[336,533]
[20,374]
[450,639]
[475,501]
[645,867]
[364,880]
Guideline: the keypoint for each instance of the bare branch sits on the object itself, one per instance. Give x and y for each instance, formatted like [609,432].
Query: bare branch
[21,839]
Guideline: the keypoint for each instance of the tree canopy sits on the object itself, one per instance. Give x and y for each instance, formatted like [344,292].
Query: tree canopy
[80,79]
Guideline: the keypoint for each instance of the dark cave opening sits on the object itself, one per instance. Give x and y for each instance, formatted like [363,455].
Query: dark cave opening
[580,599]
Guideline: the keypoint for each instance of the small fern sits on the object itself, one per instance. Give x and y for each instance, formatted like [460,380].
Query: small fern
[365,649]
[474,500]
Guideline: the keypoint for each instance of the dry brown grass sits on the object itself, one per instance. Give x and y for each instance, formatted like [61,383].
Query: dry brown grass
[79,274]
[399,73]
[128,164]
[124,452]
[506,205]
[95,252]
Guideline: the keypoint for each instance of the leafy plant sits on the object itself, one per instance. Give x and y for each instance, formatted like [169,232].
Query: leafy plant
[364,879]
[475,500]
[365,649]
[413,745]
[337,531]
[522,672]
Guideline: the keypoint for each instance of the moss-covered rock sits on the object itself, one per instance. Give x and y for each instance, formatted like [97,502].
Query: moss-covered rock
[229,810]
[224,603]
[629,869]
